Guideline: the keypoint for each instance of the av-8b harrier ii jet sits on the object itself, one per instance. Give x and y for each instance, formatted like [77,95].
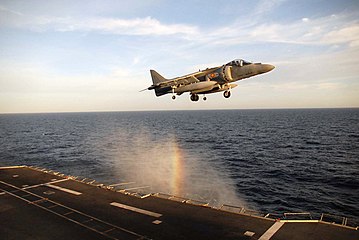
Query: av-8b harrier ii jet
[211,80]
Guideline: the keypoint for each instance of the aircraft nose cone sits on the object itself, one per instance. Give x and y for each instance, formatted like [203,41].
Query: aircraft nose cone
[267,67]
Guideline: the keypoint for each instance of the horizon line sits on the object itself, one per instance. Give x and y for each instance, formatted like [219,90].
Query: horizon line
[178,110]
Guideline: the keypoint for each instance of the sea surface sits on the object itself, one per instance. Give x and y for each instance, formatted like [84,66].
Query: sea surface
[272,161]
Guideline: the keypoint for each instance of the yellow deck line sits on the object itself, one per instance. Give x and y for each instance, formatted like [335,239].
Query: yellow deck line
[11,167]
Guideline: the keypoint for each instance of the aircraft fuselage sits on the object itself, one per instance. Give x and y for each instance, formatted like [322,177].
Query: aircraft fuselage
[208,81]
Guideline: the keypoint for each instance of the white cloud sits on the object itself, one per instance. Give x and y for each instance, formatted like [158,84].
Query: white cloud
[328,30]
[136,26]
[265,6]
[348,34]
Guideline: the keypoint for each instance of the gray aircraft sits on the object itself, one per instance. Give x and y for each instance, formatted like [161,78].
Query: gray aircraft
[211,80]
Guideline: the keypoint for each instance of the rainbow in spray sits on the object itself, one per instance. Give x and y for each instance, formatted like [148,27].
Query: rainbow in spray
[178,171]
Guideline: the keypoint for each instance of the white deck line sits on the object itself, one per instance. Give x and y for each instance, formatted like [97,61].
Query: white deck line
[63,189]
[134,209]
[271,231]
[43,184]
[121,184]
[91,218]
[134,188]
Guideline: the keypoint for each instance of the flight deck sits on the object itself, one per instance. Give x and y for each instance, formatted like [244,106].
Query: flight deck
[42,204]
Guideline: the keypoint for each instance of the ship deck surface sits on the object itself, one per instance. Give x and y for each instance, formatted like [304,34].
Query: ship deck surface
[38,204]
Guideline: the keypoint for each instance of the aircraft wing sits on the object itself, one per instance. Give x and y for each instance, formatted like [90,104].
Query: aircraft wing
[187,79]
[179,81]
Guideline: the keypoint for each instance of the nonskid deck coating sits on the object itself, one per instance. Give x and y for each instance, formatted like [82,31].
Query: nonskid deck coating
[40,205]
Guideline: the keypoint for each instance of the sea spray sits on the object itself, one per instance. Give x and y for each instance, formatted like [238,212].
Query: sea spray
[161,164]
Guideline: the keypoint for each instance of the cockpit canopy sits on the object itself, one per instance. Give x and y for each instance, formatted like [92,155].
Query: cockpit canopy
[238,62]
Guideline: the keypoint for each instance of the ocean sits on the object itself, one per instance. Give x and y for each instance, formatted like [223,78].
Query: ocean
[272,161]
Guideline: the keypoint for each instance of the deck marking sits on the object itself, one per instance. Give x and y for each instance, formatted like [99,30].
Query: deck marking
[157,222]
[120,184]
[91,218]
[249,234]
[43,184]
[63,189]
[271,231]
[11,167]
[134,209]
[300,221]
[134,188]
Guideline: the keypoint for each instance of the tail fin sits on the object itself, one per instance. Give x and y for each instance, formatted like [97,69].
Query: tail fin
[157,78]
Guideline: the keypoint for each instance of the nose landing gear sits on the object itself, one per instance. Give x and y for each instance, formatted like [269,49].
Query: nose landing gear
[173,93]
[227,94]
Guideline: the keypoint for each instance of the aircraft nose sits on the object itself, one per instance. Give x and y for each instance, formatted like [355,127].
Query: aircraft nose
[267,67]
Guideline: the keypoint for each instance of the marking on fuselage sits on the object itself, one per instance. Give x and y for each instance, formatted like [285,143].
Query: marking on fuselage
[271,231]
[134,209]
[63,189]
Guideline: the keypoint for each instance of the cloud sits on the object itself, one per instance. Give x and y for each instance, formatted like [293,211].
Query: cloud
[348,34]
[327,30]
[118,26]
[266,6]
[138,26]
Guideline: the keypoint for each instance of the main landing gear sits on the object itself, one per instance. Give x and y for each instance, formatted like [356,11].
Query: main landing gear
[194,97]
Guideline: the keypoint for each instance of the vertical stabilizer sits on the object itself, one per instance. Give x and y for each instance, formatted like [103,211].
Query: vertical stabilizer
[157,78]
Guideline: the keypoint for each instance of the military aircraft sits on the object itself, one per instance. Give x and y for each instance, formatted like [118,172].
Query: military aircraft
[210,80]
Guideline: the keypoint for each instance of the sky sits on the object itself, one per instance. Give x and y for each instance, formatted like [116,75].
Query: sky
[95,55]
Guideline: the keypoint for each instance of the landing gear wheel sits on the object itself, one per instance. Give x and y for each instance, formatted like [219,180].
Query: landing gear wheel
[173,97]
[204,98]
[194,97]
[227,94]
